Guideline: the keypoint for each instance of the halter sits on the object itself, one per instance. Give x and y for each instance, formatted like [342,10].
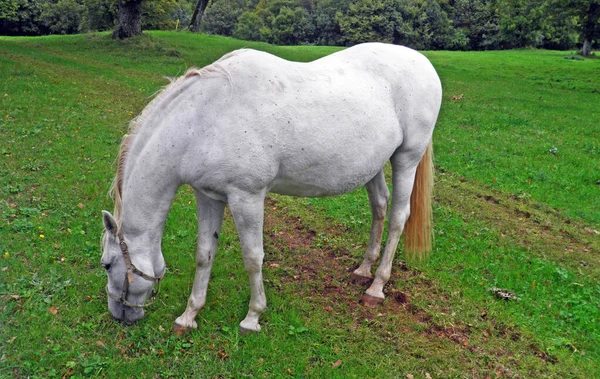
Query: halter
[129,278]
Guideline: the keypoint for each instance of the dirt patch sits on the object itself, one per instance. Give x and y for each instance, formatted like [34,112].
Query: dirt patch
[300,261]
[323,270]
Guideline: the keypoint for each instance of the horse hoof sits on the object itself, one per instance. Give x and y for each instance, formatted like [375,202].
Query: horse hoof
[371,301]
[180,329]
[244,331]
[360,280]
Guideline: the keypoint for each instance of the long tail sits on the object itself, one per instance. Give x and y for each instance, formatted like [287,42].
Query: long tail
[418,233]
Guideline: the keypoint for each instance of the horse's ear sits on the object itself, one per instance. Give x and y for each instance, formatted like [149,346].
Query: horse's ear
[109,223]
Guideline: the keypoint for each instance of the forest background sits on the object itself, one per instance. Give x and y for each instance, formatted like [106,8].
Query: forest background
[421,24]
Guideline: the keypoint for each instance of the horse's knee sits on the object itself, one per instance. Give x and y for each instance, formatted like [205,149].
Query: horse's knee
[253,261]
[204,257]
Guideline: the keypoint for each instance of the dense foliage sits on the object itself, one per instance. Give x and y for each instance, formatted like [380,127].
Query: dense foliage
[423,24]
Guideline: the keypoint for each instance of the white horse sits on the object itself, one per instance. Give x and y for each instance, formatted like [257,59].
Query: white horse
[252,123]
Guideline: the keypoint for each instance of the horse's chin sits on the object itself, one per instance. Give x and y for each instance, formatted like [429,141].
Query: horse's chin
[124,314]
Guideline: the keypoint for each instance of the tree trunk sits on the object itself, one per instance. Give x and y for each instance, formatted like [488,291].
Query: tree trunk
[587,48]
[130,19]
[590,27]
[197,15]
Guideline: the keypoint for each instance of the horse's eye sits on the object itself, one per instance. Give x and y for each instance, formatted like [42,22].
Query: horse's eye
[106,266]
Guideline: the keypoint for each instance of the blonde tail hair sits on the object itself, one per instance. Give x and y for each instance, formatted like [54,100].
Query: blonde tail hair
[418,232]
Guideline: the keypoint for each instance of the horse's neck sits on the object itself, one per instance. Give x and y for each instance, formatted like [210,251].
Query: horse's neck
[148,191]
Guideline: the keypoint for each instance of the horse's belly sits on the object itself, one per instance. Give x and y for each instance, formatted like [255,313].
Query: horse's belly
[308,177]
[318,188]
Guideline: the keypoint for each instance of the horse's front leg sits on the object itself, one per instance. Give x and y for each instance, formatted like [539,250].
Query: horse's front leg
[248,213]
[210,219]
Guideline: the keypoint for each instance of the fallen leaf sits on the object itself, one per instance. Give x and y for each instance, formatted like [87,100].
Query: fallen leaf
[53,310]
[68,373]
[427,375]
[80,205]
[15,297]
[223,354]
[410,376]
[336,363]
[274,265]
[12,340]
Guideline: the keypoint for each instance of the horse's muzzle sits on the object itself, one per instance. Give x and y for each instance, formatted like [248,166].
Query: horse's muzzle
[123,313]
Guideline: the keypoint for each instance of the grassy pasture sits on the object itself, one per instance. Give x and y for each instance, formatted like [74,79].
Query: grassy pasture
[517,202]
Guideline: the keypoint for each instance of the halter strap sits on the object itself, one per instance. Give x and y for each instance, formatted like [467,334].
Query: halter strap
[129,278]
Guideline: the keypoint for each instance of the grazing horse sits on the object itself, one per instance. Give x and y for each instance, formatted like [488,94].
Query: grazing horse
[252,123]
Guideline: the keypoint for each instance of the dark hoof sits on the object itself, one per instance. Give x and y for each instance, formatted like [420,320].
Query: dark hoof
[371,301]
[361,280]
[180,329]
[244,331]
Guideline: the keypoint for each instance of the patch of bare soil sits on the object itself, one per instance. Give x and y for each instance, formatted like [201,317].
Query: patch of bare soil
[324,274]
[322,271]
[325,270]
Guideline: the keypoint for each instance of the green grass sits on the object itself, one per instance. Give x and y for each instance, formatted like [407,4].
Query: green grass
[516,208]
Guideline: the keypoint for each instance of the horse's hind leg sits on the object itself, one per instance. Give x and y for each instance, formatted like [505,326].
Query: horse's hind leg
[248,213]
[210,219]
[403,177]
[379,196]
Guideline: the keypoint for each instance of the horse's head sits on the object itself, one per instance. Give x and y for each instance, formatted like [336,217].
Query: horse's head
[129,286]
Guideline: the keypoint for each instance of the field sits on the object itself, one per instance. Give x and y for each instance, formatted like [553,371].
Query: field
[516,208]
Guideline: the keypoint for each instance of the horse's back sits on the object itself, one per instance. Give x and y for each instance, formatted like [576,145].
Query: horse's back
[318,128]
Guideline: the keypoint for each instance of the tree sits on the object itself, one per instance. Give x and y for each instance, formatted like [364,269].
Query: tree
[477,20]
[8,9]
[248,27]
[222,16]
[291,26]
[369,21]
[25,21]
[129,19]
[100,15]
[425,26]
[588,14]
[276,21]
[197,15]
[159,15]
[64,17]
[590,23]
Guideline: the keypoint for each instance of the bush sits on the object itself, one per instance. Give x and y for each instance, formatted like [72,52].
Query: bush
[64,17]
[25,21]
[291,26]
[221,17]
[100,15]
[369,21]
[248,27]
